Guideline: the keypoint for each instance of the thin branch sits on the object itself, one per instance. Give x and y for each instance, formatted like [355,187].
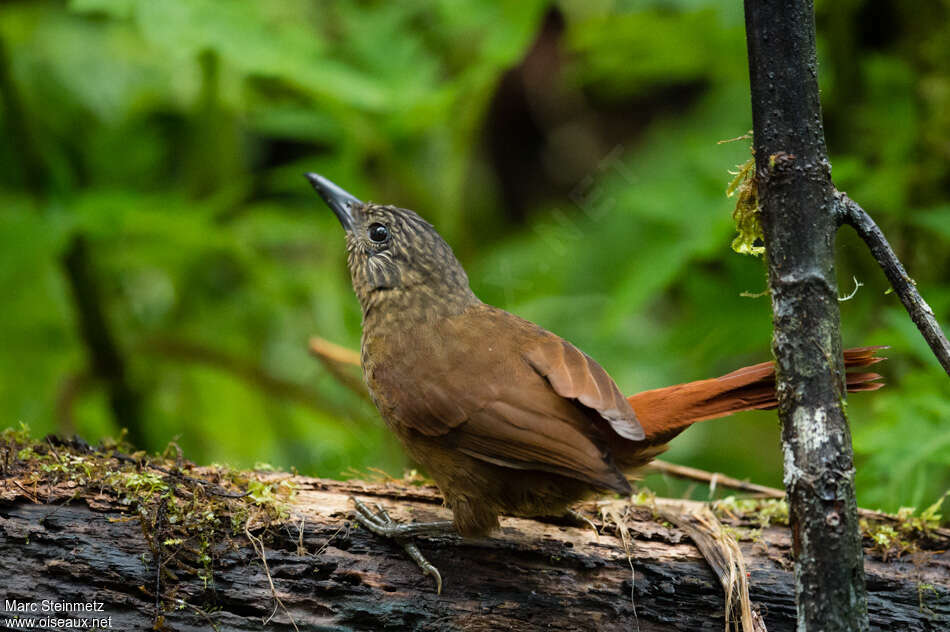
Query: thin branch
[920,312]
[258,544]
[712,479]
[335,353]
[335,359]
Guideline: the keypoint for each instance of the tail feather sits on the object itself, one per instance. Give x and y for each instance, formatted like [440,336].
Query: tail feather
[665,412]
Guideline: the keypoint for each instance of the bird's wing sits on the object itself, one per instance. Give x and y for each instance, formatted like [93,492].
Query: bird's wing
[575,375]
[526,400]
[525,437]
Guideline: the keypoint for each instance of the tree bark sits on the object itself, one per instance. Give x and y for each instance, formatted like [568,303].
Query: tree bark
[798,212]
[331,575]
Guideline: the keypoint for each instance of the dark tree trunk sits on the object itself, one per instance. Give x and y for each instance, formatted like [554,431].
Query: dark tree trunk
[83,547]
[102,347]
[105,357]
[799,220]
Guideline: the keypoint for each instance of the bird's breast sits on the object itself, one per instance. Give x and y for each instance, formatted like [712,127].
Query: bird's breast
[407,368]
[398,363]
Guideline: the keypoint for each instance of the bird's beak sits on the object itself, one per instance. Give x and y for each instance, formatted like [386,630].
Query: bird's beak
[341,202]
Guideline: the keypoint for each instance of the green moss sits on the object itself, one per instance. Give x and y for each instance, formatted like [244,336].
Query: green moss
[766,511]
[900,533]
[746,213]
[644,497]
[188,515]
[742,534]
[888,535]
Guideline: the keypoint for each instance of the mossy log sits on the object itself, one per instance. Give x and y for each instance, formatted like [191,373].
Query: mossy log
[70,542]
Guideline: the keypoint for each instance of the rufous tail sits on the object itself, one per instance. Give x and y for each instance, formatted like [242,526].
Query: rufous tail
[666,412]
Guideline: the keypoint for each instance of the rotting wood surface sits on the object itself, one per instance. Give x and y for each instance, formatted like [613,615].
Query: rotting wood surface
[531,576]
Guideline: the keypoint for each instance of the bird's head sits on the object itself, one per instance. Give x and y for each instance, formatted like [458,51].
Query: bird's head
[394,255]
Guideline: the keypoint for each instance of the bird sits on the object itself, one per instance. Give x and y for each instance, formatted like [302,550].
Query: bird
[506,417]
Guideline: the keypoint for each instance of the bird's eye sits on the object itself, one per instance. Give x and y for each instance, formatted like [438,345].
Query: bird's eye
[378,233]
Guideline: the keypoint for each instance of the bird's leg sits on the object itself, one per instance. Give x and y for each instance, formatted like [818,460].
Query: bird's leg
[383,525]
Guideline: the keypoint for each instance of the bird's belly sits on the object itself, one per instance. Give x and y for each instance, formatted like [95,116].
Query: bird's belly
[478,491]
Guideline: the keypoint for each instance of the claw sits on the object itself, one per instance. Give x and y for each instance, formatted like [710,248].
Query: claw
[413,551]
[383,525]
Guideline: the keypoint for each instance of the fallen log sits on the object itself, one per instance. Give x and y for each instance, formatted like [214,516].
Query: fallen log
[284,551]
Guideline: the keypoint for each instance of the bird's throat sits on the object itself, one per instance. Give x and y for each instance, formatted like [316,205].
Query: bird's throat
[414,306]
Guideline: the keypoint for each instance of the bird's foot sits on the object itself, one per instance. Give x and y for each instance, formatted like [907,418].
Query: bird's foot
[380,523]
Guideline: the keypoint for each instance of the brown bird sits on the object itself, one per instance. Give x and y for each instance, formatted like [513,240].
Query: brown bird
[506,417]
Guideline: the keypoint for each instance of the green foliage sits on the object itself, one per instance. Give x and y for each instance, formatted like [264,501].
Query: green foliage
[904,444]
[172,136]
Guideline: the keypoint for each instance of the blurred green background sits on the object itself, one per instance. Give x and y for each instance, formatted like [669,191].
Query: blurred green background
[163,262]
